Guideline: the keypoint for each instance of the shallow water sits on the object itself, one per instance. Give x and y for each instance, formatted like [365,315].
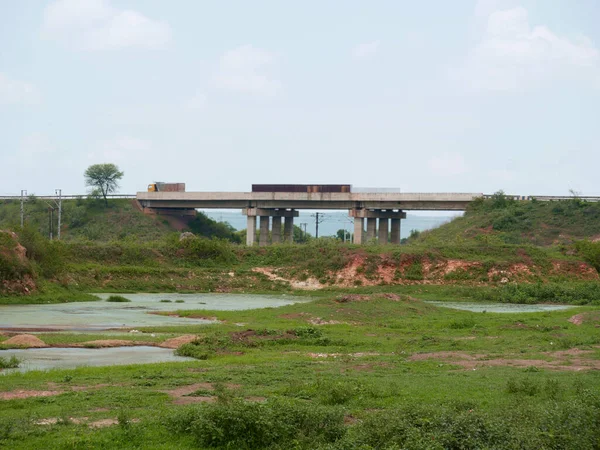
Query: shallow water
[68,358]
[500,307]
[103,315]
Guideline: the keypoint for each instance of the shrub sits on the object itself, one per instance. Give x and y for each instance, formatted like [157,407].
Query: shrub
[242,425]
[9,363]
[117,299]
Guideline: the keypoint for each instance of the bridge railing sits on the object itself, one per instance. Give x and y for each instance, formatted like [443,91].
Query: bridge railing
[64,197]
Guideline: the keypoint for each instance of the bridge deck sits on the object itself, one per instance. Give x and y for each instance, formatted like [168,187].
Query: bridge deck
[303,200]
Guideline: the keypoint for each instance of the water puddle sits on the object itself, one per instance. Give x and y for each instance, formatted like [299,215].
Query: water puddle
[103,315]
[500,307]
[69,358]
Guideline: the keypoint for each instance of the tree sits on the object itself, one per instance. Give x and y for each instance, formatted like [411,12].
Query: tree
[104,177]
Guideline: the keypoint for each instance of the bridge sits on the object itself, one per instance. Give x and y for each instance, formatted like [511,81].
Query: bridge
[382,212]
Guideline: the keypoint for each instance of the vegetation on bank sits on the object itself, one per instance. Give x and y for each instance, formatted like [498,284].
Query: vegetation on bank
[385,372]
[503,220]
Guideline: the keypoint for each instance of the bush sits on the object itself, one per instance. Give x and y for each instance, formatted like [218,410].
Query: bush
[590,251]
[9,363]
[242,425]
[117,299]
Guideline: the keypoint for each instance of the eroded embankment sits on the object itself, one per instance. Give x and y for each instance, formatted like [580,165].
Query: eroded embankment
[374,270]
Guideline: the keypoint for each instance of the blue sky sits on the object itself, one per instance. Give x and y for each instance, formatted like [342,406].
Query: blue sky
[430,96]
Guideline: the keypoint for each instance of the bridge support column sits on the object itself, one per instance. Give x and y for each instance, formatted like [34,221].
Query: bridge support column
[395,237]
[384,217]
[358,230]
[288,230]
[371,228]
[250,230]
[265,215]
[263,237]
[276,230]
[383,231]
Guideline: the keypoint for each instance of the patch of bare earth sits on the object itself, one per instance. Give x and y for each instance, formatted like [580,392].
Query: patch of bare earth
[101,423]
[570,360]
[586,317]
[25,341]
[183,395]
[179,341]
[577,269]
[19,394]
[337,355]
[250,336]
[310,284]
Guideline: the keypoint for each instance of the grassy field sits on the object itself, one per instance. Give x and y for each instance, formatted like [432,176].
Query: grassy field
[365,364]
[381,371]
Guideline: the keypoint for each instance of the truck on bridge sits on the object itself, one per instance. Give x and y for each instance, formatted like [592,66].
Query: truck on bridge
[159,186]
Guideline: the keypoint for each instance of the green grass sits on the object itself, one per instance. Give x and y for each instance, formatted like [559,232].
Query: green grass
[117,299]
[9,363]
[500,221]
[369,393]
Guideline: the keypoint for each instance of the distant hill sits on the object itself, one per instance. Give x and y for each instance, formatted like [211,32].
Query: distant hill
[89,219]
[506,221]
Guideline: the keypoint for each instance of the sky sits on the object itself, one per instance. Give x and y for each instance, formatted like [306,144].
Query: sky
[428,96]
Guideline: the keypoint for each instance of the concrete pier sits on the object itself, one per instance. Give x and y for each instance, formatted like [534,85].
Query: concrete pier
[383,231]
[288,230]
[371,229]
[250,230]
[395,233]
[263,237]
[358,230]
[385,216]
[276,230]
[266,215]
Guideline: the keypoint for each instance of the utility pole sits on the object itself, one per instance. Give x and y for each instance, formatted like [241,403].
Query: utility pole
[23,193]
[59,193]
[318,219]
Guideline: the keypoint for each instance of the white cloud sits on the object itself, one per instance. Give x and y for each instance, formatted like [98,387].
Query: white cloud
[16,91]
[246,69]
[448,164]
[513,55]
[96,25]
[366,49]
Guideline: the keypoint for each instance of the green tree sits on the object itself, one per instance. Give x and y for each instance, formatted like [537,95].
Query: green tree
[340,235]
[104,177]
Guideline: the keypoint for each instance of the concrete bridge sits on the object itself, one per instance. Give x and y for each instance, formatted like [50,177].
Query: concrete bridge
[382,212]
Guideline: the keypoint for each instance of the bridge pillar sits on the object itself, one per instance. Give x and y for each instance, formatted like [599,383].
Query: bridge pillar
[383,231]
[276,230]
[250,230]
[395,238]
[371,228]
[265,215]
[288,229]
[263,237]
[384,216]
[358,230]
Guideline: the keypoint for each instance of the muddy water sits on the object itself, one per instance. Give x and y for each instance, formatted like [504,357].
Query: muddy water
[103,315]
[68,358]
[500,307]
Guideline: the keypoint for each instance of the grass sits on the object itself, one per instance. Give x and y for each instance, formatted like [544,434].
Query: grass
[9,363]
[369,393]
[117,299]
